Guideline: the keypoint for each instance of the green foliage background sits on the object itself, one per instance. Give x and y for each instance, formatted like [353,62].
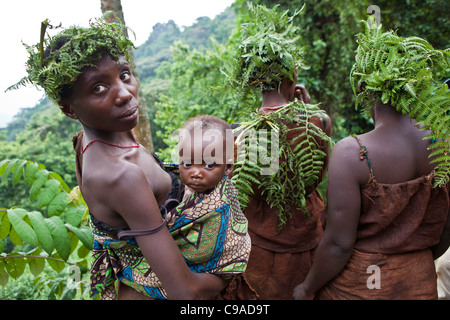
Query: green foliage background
[180,73]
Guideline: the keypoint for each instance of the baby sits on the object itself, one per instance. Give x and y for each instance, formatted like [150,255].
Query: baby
[208,225]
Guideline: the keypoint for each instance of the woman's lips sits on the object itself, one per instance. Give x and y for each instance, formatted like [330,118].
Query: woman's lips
[130,114]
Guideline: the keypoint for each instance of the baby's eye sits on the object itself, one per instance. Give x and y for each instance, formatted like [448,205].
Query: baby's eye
[209,165]
[186,164]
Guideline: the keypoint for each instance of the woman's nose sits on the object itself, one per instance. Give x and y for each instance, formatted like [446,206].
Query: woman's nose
[123,95]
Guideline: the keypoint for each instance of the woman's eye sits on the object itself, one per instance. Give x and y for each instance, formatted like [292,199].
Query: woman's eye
[98,88]
[125,76]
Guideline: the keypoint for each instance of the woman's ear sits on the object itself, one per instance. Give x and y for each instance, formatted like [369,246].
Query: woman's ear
[229,169]
[66,108]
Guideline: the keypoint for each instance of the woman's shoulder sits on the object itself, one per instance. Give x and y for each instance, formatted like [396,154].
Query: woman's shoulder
[113,173]
[348,160]
[346,146]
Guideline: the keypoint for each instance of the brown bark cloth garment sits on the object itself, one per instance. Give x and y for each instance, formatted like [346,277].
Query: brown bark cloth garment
[398,224]
[279,261]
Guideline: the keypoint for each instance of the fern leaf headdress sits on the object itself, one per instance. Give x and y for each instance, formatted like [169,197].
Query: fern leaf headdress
[403,72]
[56,63]
[269,50]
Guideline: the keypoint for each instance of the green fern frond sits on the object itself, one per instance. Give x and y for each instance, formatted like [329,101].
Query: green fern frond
[79,48]
[402,72]
[300,160]
[269,50]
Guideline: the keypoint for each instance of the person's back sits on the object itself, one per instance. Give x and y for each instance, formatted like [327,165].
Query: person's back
[399,213]
[396,149]
[388,201]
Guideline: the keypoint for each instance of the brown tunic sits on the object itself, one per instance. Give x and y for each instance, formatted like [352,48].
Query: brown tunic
[279,261]
[398,224]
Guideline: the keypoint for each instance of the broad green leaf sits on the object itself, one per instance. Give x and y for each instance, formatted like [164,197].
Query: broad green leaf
[74,242]
[15,238]
[5,225]
[75,196]
[14,266]
[36,265]
[83,233]
[74,215]
[83,251]
[30,172]
[4,277]
[51,188]
[9,168]
[40,179]
[22,228]
[3,165]
[18,171]
[2,246]
[60,236]
[42,231]
[57,205]
[57,177]
[56,265]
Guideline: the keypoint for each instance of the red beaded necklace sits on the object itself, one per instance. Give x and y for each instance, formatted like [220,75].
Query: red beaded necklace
[107,143]
[271,108]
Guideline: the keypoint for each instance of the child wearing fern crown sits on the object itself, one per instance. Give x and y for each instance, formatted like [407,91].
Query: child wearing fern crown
[283,206]
[388,191]
[86,71]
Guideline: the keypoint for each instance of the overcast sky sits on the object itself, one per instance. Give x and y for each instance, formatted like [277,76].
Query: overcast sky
[21,21]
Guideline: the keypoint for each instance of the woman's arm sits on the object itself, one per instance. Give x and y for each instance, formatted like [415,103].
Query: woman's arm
[133,199]
[335,248]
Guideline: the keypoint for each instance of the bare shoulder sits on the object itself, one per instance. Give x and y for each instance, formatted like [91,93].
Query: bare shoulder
[346,150]
[345,161]
[113,177]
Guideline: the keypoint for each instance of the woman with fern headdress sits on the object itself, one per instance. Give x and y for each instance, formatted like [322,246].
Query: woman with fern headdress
[282,205]
[388,192]
[86,71]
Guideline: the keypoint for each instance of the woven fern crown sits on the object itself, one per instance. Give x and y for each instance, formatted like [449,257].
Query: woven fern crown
[394,69]
[269,49]
[55,63]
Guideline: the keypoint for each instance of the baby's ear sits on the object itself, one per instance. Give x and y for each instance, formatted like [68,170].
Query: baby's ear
[66,108]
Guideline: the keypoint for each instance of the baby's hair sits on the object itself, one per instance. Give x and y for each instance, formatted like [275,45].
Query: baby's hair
[210,126]
[205,122]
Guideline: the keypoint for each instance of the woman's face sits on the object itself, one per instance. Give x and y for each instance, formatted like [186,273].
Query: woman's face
[105,98]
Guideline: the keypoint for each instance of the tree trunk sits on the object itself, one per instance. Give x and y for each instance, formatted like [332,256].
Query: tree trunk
[142,129]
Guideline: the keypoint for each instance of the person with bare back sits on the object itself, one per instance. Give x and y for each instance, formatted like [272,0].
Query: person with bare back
[388,191]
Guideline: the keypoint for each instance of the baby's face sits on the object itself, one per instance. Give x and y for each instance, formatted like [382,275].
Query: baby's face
[203,162]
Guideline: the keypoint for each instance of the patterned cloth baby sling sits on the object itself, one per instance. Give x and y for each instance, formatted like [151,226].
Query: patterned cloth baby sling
[209,229]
